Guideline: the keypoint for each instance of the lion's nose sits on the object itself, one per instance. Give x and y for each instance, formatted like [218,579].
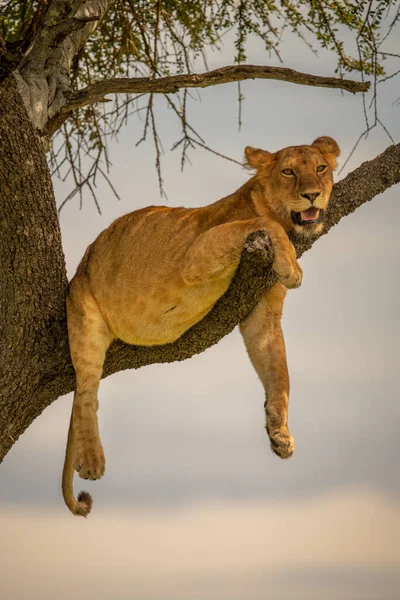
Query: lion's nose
[311,196]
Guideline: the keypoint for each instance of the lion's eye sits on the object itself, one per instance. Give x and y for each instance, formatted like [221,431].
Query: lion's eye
[288,172]
[321,168]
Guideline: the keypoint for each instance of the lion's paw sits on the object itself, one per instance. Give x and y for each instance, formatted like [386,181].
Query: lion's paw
[291,276]
[282,442]
[90,462]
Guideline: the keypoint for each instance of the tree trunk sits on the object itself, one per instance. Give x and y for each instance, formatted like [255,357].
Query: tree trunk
[32,269]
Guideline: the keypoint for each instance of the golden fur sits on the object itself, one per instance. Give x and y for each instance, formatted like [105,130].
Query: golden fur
[157,271]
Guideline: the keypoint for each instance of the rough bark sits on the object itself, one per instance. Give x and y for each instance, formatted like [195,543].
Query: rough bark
[44,74]
[32,269]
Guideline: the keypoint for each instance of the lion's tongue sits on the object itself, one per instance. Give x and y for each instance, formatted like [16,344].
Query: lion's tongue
[311,214]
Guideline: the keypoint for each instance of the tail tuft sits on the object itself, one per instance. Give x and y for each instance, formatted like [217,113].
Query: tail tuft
[84,504]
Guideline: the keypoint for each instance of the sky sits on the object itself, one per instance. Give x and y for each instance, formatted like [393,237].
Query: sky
[194,504]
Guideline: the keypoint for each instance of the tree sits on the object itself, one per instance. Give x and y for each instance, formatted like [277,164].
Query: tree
[59,60]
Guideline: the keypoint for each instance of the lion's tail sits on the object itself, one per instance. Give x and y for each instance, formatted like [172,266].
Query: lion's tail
[81,506]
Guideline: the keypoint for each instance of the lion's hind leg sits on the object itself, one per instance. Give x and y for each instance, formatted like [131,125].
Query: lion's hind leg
[89,338]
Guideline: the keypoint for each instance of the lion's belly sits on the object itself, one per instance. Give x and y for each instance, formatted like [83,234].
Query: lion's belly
[135,276]
[161,315]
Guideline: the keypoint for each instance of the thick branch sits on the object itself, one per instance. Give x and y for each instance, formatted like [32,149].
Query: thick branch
[167,85]
[44,74]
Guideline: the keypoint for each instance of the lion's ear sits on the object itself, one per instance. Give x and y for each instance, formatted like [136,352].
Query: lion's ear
[255,157]
[328,148]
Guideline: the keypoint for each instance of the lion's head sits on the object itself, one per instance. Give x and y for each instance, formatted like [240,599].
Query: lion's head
[297,182]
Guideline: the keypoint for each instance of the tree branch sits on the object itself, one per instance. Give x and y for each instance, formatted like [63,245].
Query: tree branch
[58,33]
[167,85]
[44,74]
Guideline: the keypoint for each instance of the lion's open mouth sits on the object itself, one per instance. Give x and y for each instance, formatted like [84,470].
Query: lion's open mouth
[311,216]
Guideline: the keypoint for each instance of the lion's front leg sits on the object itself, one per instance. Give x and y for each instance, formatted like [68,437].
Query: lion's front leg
[265,345]
[216,252]
[285,265]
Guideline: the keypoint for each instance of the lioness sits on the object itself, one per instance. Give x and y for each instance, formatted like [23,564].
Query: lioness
[157,271]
